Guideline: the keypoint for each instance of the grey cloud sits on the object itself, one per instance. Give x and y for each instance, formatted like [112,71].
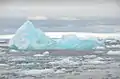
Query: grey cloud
[58,8]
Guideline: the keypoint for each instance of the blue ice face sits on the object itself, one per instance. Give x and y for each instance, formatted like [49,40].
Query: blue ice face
[28,37]
[73,42]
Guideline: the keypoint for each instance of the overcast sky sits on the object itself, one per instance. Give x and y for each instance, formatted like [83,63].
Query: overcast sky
[60,8]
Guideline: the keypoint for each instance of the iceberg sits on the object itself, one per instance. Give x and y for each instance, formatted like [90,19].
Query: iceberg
[28,37]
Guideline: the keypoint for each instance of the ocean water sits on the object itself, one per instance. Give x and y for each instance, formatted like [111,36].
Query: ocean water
[105,25]
[60,64]
[35,65]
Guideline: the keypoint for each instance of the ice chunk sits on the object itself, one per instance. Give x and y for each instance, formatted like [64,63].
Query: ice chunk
[96,62]
[37,72]
[18,59]
[65,62]
[61,71]
[99,48]
[99,59]
[12,50]
[113,52]
[4,65]
[89,56]
[44,54]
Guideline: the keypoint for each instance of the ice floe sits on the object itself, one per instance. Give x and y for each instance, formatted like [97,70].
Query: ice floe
[37,72]
[113,52]
[46,53]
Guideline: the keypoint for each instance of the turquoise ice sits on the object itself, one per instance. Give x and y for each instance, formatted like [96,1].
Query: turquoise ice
[73,42]
[27,37]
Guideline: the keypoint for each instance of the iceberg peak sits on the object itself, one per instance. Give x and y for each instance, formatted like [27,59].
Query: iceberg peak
[28,37]
[26,26]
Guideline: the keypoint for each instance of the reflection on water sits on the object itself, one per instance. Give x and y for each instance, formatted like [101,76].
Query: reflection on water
[19,65]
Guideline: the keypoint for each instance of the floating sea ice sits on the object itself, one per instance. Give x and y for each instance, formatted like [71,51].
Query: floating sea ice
[99,52]
[4,65]
[25,64]
[12,50]
[90,56]
[96,62]
[18,59]
[44,54]
[61,71]
[99,48]
[113,52]
[64,62]
[38,55]
[99,59]
[37,72]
